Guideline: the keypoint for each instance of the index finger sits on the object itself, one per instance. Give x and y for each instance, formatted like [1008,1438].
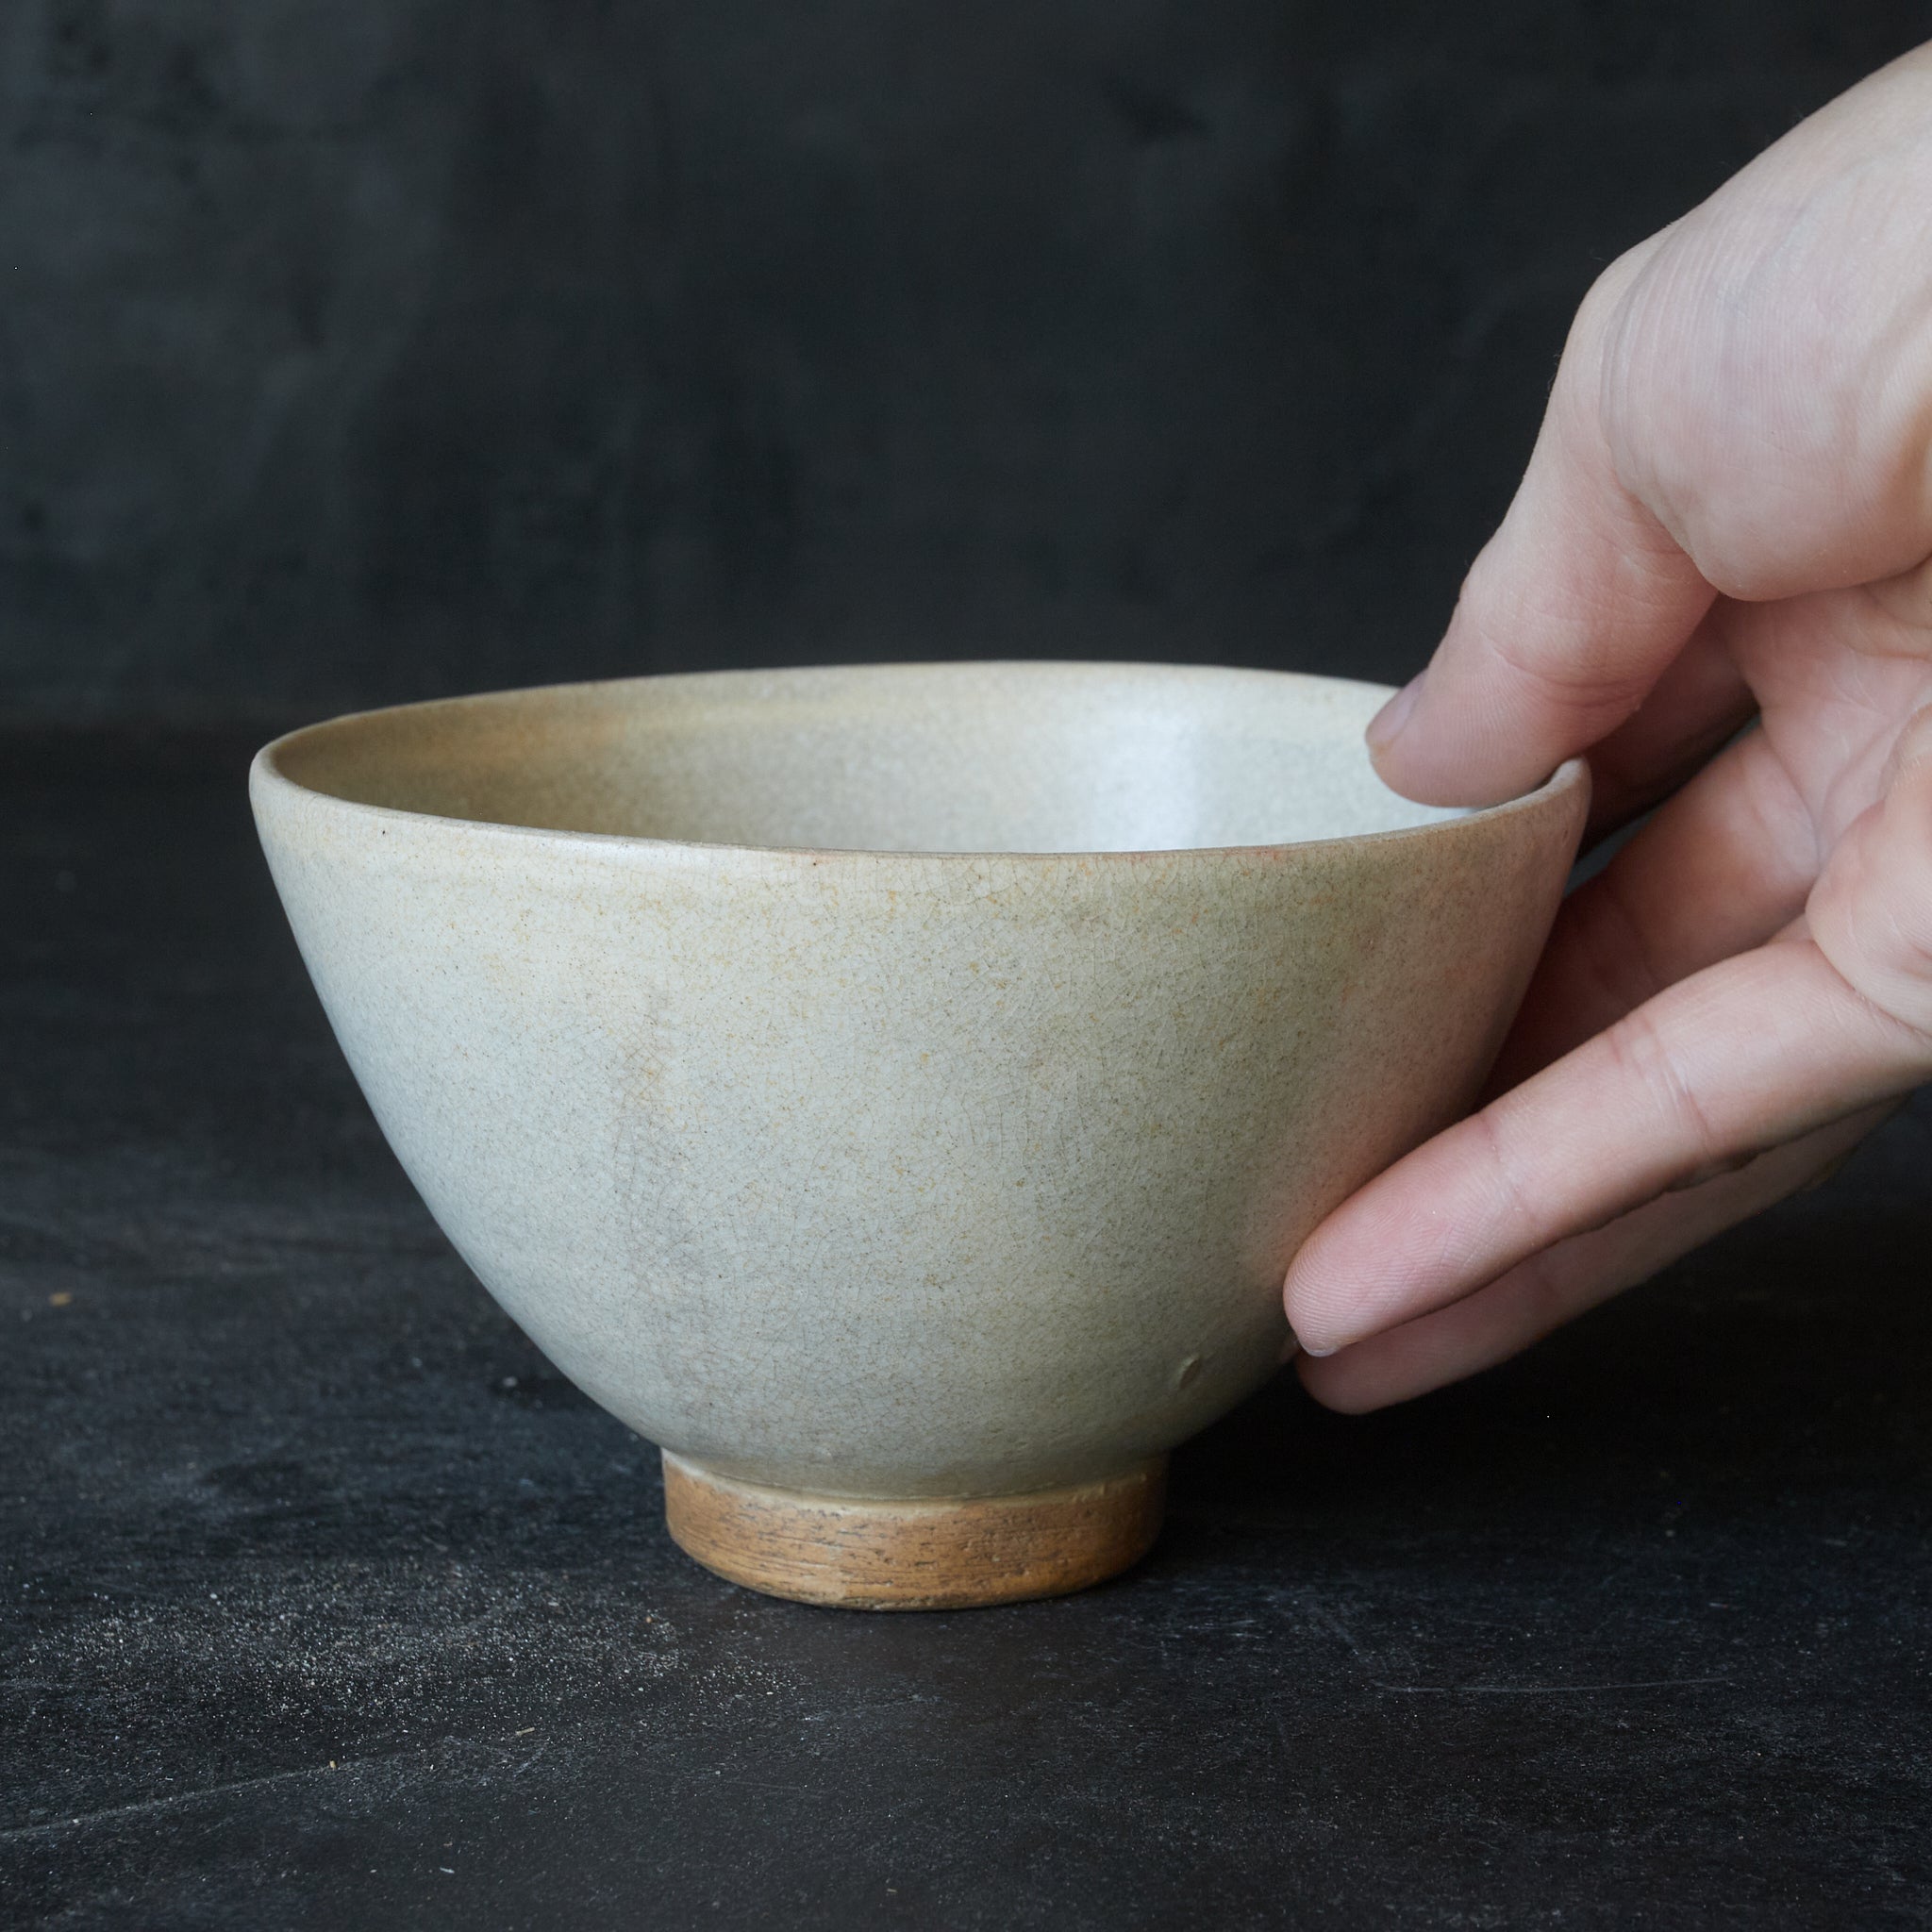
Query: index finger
[1572,612]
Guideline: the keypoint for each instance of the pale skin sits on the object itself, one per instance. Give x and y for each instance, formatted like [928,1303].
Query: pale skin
[1727,517]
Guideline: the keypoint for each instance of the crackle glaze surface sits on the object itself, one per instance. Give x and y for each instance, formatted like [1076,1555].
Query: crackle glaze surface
[905,1081]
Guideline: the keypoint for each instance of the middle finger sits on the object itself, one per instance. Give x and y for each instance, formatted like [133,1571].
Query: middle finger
[1723,866]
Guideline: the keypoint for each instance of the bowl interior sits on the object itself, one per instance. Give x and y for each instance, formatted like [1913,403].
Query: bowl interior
[924,757]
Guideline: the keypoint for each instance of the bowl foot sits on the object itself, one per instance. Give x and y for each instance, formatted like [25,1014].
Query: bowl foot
[938,1554]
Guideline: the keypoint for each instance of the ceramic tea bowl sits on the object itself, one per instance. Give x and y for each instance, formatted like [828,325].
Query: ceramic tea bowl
[898,1092]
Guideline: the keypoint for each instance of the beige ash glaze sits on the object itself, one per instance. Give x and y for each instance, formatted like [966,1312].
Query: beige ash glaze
[907,1082]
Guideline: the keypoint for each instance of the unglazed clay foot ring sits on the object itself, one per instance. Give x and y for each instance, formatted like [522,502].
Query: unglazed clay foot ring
[938,1554]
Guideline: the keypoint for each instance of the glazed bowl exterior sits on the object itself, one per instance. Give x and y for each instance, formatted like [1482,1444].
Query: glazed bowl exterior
[906,1082]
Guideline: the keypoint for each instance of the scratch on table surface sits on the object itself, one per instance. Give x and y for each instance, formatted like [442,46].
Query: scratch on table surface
[1546,1690]
[173,1800]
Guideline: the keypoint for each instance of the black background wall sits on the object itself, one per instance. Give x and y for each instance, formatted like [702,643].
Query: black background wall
[360,350]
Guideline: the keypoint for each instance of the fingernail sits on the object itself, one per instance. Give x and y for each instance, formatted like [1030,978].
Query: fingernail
[1386,726]
[1310,1348]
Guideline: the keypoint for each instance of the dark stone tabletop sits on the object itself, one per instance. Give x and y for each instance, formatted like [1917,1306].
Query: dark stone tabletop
[327,1603]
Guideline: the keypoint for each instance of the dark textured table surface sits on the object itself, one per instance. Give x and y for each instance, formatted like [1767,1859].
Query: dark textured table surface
[327,1603]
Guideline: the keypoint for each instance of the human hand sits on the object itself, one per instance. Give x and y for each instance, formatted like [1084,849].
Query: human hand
[1728,511]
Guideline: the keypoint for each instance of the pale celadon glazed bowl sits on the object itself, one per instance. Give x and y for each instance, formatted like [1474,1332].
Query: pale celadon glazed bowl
[898,1092]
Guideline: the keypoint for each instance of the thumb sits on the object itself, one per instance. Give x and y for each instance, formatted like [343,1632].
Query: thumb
[1570,615]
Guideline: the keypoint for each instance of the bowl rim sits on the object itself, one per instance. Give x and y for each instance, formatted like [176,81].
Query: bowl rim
[266,769]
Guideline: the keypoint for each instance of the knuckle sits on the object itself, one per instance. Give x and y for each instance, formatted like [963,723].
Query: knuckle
[1559,661]
[1642,1053]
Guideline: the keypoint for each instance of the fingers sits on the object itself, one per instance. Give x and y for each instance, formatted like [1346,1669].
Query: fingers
[1871,909]
[1700,701]
[1736,1059]
[1569,617]
[1730,859]
[1723,866]
[1551,1287]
